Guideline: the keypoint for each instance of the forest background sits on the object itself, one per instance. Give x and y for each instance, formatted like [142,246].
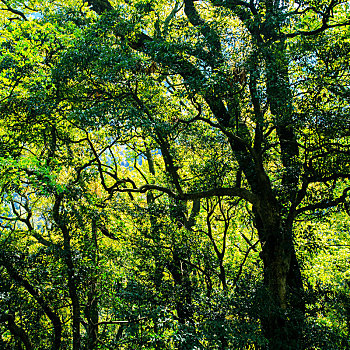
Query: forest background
[174,174]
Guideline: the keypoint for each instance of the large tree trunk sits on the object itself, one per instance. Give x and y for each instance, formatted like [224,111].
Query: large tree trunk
[285,307]
[283,310]
[282,278]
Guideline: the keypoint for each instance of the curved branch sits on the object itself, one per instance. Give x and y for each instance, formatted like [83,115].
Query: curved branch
[324,204]
[336,176]
[252,247]
[319,30]
[325,18]
[214,192]
[172,14]
[14,11]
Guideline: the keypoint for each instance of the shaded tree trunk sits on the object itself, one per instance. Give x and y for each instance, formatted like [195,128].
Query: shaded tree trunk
[283,309]
[91,310]
[71,272]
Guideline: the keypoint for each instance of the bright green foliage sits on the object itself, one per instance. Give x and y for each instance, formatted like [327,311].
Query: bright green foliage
[174,175]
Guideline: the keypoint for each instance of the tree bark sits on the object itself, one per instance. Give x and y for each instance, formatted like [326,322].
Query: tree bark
[91,310]
[283,309]
[71,273]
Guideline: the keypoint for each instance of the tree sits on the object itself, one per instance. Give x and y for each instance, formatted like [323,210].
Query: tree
[269,131]
[244,102]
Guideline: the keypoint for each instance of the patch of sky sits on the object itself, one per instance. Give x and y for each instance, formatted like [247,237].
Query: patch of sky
[127,156]
[39,222]
[35,15]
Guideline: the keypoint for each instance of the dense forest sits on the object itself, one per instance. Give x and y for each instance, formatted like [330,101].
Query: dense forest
[174,174]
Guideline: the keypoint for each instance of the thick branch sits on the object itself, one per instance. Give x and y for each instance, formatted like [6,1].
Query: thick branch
[14,11]
[324,204]
[209,33]
[223,191]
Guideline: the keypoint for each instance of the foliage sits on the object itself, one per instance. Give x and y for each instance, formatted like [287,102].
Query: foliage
[174,175]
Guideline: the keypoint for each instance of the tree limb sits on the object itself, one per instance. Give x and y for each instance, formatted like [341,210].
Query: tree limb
[324,204]
[214,192]
[14,11]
